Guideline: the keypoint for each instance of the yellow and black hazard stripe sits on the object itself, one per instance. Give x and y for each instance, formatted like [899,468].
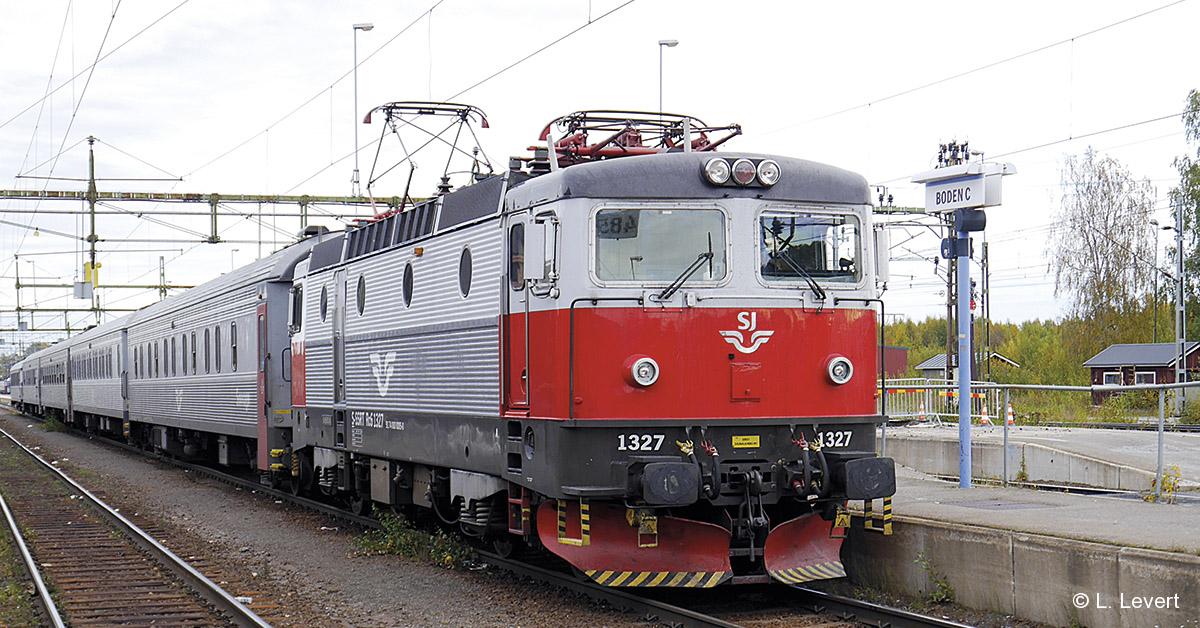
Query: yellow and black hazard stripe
[585,524]
[686,579]
[808,573]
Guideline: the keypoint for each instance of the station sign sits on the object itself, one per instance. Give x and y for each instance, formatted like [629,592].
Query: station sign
[966,186]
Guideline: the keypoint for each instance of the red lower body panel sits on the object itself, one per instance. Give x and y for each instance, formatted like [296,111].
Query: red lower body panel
[600,541]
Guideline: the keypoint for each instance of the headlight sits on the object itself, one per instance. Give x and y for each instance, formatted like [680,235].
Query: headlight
[840,370]
[768,172]
[644,371]
[744,171]
[716,170]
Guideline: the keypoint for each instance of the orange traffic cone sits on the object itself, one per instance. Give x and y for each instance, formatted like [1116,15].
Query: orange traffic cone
[921,412]
[1008,416]
[983,417]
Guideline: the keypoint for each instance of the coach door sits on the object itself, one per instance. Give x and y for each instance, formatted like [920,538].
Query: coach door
[515,323]
[260,328]
[339,333]
[123,360]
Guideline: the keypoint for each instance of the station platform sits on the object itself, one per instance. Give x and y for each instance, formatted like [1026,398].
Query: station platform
[1063,559]
[1100,458]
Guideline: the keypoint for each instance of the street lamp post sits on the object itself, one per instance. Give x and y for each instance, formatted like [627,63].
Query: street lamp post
[663,43]
[366,26]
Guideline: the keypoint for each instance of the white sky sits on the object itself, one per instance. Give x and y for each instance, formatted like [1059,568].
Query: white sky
[214,73]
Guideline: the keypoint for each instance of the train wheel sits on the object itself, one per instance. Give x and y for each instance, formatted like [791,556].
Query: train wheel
[301,482]
[504,545]
[360,504]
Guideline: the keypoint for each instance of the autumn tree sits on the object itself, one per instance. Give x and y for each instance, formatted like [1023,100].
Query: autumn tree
[1186,196]
[1102,247]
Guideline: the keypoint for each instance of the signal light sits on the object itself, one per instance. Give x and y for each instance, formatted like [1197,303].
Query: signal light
[840,370]
[644,371]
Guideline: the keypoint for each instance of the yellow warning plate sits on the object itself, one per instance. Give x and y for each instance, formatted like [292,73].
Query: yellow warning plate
[745,442]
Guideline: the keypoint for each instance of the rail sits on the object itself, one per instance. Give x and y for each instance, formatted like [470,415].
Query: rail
[35,574]
[207,589]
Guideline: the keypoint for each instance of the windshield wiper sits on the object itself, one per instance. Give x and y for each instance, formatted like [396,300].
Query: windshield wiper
[812,283]
[687,273]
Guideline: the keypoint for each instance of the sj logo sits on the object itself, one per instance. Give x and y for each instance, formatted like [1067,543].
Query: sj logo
[747,338]
[381,368]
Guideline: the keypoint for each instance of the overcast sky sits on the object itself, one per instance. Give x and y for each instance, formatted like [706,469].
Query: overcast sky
[212,75]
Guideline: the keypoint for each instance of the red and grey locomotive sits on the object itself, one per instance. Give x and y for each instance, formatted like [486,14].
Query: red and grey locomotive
[652,358]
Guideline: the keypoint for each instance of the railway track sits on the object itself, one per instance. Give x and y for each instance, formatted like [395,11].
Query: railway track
[791,606]
[92,565]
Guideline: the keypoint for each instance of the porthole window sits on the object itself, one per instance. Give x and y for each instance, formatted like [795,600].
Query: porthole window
[408,284]
[324,303]
[464,273]
[360,295]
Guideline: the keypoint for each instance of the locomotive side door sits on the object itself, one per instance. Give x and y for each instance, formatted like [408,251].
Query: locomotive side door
[515,323]
[264,399]
[339,342]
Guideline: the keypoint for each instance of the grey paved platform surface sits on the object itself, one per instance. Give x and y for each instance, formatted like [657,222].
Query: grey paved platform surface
[1116,520]
[1134,448]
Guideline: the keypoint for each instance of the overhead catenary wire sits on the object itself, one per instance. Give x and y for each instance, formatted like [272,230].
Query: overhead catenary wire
[980,68]
[474,85]
[74,112]
[315,96]
[110,53]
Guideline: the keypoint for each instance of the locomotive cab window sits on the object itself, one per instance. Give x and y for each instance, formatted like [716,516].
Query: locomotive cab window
[796,246]
[659,245]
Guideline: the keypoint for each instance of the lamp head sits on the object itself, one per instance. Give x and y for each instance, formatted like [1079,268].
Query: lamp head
[669,43]
[365,26]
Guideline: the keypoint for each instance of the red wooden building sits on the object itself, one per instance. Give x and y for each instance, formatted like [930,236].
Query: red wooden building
[1144,363]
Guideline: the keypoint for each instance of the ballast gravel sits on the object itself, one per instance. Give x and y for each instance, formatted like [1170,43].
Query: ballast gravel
[301,561]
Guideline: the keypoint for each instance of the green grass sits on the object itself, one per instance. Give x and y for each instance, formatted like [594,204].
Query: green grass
[17,606]
[399,537]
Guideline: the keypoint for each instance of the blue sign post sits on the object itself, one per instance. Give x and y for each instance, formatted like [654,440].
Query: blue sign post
[963,189]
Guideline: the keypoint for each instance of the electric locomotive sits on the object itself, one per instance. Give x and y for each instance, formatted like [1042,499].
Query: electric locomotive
[653,359]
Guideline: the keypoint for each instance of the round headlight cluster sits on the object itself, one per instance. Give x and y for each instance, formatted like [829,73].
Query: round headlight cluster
[644,371]
[718,171]
[840,370]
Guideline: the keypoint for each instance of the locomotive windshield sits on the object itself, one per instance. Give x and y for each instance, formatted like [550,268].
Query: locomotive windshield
[655,245]
[826,247]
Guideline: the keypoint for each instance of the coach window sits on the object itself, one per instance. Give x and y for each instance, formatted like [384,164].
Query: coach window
[207,352]
[233,345]
[174,364]
[657,245]
[516,256]
[193,353]
[217,347]
[156,371]
[360,294]
[407,285]
[166,358]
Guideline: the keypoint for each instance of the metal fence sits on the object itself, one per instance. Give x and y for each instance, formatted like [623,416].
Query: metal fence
[935,400]
[897,399]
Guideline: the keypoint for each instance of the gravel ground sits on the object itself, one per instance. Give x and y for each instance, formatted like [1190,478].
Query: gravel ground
[301,559]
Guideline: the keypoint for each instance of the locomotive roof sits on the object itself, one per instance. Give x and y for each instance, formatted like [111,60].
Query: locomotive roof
[680,176]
